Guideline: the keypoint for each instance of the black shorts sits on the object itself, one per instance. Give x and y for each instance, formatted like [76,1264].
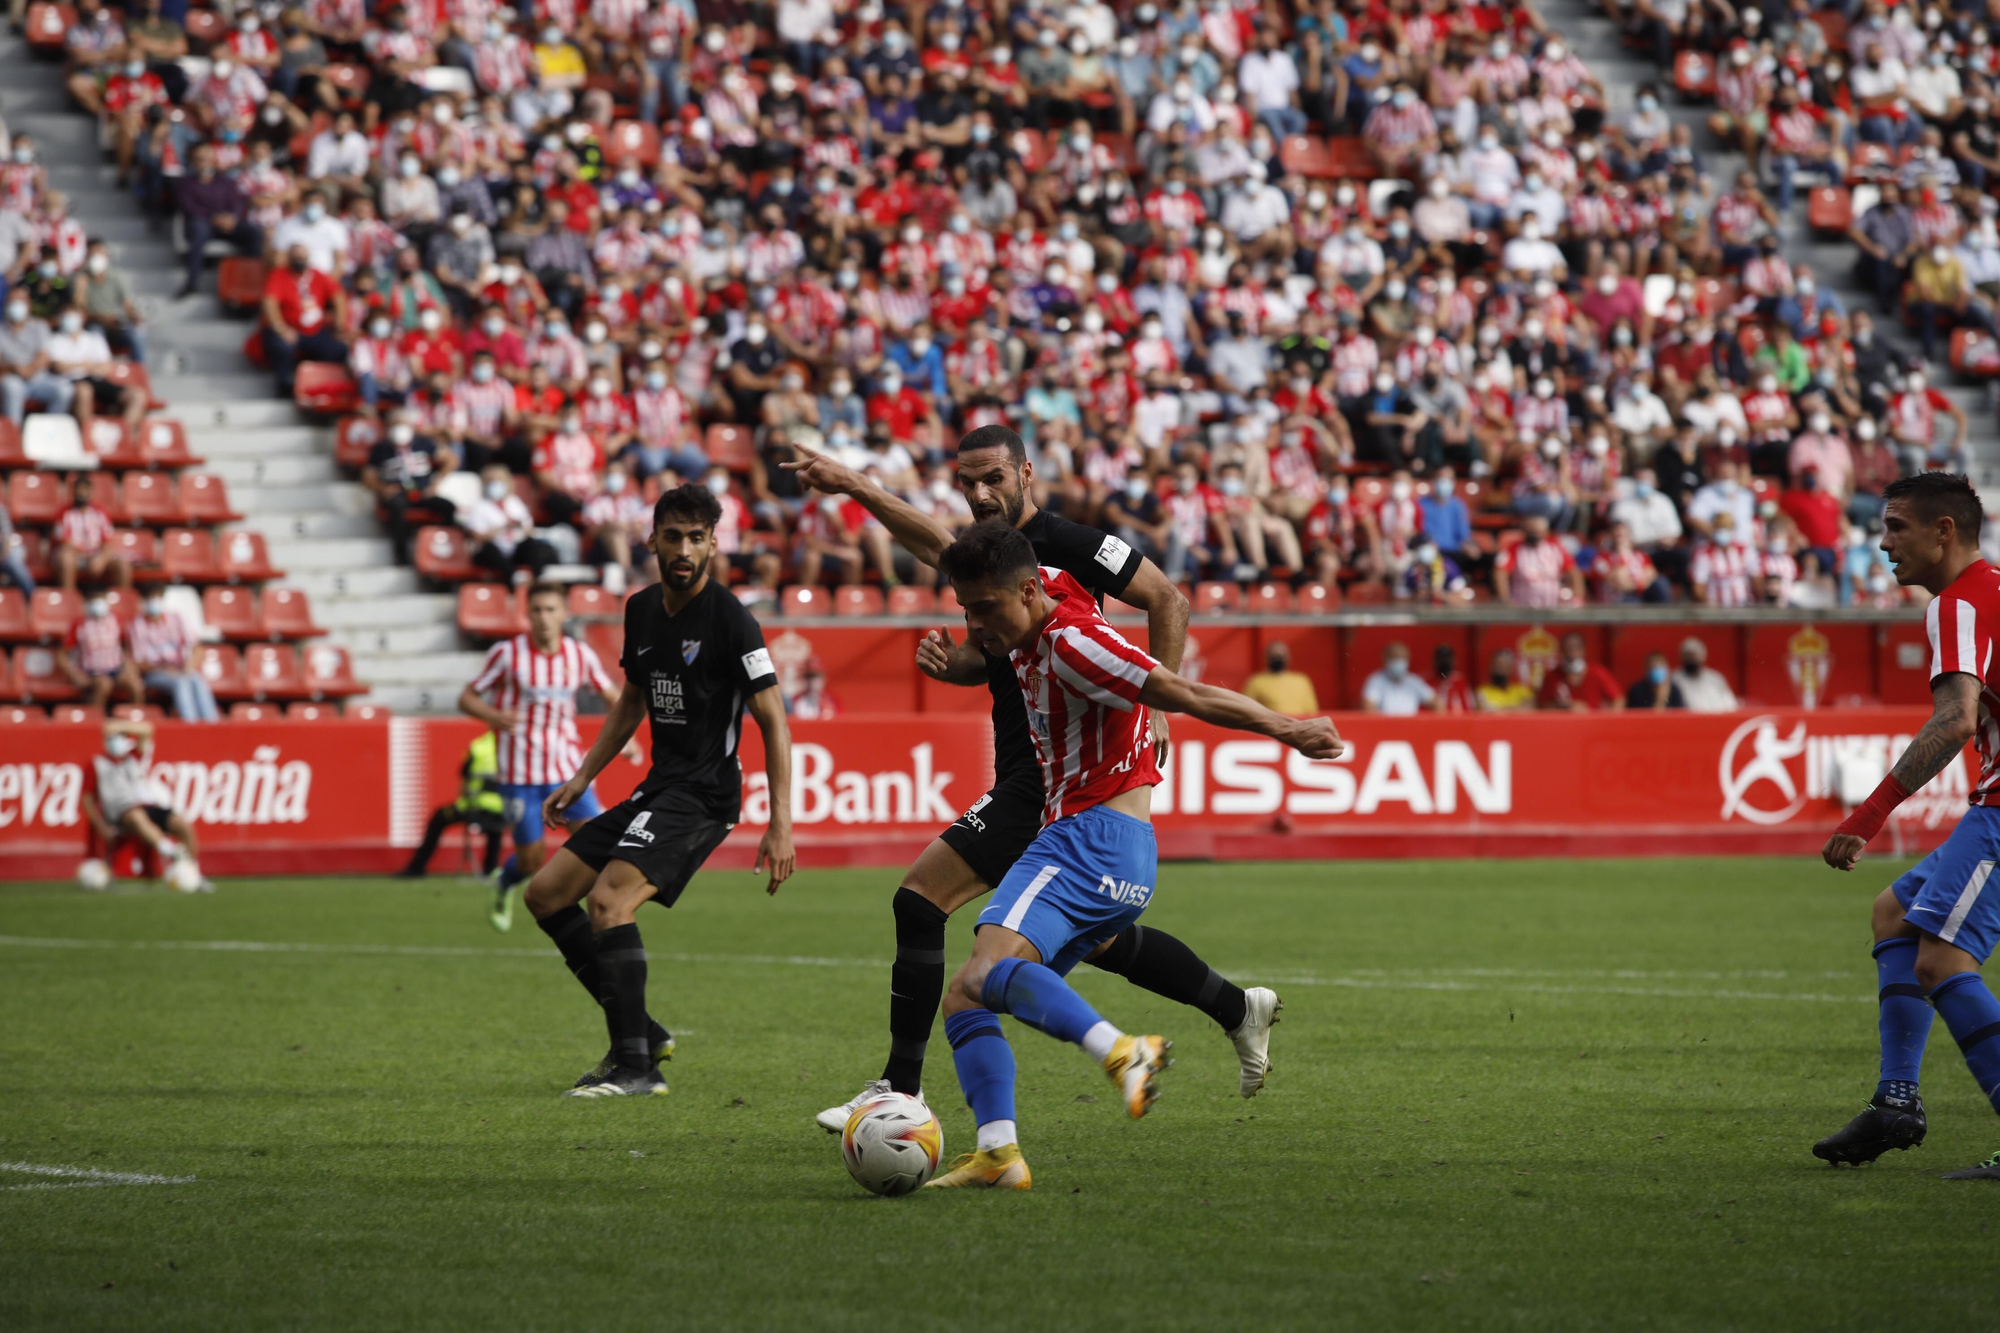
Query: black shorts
[996,831]
[159,814]
[667,836]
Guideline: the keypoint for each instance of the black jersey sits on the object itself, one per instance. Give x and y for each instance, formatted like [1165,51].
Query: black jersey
[696,668]
[1101,563]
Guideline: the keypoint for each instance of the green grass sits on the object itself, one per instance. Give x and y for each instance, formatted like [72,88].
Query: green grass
[1515,1094]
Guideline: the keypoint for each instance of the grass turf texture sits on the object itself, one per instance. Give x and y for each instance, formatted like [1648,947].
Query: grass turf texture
[1507,1095]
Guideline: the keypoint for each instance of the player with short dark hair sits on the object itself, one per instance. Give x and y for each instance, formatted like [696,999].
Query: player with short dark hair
[694,662]
[976,851]
[1089,873]
[526,691]
[1938,923]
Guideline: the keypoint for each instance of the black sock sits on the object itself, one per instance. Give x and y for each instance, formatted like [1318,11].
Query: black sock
[570,929]
[1155,960]
[621,967]
[916,985]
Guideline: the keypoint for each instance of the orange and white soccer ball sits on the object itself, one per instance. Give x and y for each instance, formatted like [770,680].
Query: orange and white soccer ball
[892,1144]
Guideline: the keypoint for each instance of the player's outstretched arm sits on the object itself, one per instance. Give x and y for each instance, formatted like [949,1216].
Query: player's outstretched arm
[619,724]
[1167,612]
[952,663]
[1314,737]
[913,530]
[774,849]
[1953,720]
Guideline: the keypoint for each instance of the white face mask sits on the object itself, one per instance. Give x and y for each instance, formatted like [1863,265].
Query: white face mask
[401,433]
[378,328]
[756,334]
[497,490]
[431,320]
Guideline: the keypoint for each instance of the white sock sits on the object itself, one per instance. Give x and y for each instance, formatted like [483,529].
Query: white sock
[1097,1042]
[996,1134]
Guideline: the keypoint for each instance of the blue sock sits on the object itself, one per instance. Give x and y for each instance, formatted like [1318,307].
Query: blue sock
[1039,998]
[985,1063]
[509,872]
[1905,1020]
[1973,1016]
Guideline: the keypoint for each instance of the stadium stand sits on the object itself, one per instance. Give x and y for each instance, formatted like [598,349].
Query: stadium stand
[1321,307]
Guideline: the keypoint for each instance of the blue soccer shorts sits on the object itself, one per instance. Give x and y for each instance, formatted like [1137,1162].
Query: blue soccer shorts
[524,808]
[1948,894]
[1081,881]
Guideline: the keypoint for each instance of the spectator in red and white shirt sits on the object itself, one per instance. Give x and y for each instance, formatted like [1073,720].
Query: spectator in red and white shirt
[1724,568]
[303,310]
[1537,570]
[162,653]
[1400,130]
[568,465]
[1578,684]
[95,658]
[83,543]
[1624,573]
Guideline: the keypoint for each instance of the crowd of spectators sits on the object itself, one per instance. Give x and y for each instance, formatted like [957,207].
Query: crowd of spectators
[1542,357]
[1573,683]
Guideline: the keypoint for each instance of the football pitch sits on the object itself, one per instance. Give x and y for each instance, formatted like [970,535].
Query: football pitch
[1506,1094]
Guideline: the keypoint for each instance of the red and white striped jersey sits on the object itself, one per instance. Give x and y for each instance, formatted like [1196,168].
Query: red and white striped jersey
[1961,621]
[159,644]
[84,529]
[1081,682]
[1398,127]
[1725,574]
[97,644]
[1535,572]
[541,687]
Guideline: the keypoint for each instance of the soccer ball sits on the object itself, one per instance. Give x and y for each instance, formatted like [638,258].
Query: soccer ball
[93,876]
[892,1144]
[184,876]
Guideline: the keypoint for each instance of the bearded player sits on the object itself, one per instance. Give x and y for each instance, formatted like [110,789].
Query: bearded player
[694,663]
[975,852]
[1935,926]
[526,691]
[1089,873]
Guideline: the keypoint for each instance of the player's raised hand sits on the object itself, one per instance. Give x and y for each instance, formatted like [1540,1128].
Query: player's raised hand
[774,850]
[1315,738]
[934,654]
[555,809]
[1842,850]
[825,476]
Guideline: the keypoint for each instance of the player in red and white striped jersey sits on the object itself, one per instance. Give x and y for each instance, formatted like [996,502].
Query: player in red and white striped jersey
[526,691]
[83,542]
[1090,872]
[1938,923]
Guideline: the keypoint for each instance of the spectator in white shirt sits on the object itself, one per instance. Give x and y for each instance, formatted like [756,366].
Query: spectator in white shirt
[1394,691]
[1538,197]
[500,522]
[1529,253]
[80,355]
[323,235]
[1702,687]
[1495,178]
[1257,214]
[1269,81]
[1647,514]
[1640,413]
[1723,495]
[339,155]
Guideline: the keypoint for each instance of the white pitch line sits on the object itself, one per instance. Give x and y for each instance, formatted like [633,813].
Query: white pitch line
[84,1177]
[1507,980]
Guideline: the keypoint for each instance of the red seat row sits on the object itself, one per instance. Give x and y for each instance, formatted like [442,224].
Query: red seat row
[13,715]
[280,615]
[263,671]
[145,499]
[158,443]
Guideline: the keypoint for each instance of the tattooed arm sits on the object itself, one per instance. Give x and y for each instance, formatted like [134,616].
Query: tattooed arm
[1954,718]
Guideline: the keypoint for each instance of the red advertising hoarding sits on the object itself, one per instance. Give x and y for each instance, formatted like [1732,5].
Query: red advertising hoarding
[353,796]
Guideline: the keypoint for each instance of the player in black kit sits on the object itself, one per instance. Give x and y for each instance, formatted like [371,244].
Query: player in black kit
[975,852]
[694,662]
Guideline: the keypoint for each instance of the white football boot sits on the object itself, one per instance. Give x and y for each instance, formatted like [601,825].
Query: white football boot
[1253,1040]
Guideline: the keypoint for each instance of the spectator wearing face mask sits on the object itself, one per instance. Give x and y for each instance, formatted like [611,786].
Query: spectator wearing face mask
[1395,690]
[1503,690]
[1940,294]
[1430,576]
[80,354]
[109,305]
[1624,573]
[502,529]
[1725,495]
[25,370]
[1537,570]
[303,309]
[1913,426]
[162,652]
[1281,689]
[94,660]
[1578,685]
[1701,687]
[618,521]
[402,472]
[321,235]
[1136,514]
[1656,691]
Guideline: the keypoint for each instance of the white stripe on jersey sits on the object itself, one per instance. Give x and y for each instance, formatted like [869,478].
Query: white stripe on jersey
[1968,653]
[542,688]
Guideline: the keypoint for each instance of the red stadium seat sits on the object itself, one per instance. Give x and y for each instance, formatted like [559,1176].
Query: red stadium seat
[221,665]
[245,559]
[353,439]
[909,600]
[108,495]
[329,673]
[75,714]
[799,600]
[272,671]
[1694,74]
[857,600]
[607,638]
[1031,146]
[631,140]
[1271,599]
[132,377]
[288,615]
[38,678]
[490,611]
[442,553]
[206,498]
[163,443]
[1351,157]
[36,499]
[48,25]
[14,626]
[948,602]
[1307,155]
[233,613]
[138,712]
[1830,208]
[249,711]
[588,601]
[349,81]
[325,389]
[206,29]
[239,283]
[1975,353]
[311,712]
[150,500]
[11,453]
[1315,598]
[187,555]
[141,550]
[10,688]
[371,712]
[1217,599]
[51,611]
[15,715]
[731,446]
[123,603]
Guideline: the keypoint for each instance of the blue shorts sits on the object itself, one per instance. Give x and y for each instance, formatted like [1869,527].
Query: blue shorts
[1947,895]
[1081,881]
[524,808]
